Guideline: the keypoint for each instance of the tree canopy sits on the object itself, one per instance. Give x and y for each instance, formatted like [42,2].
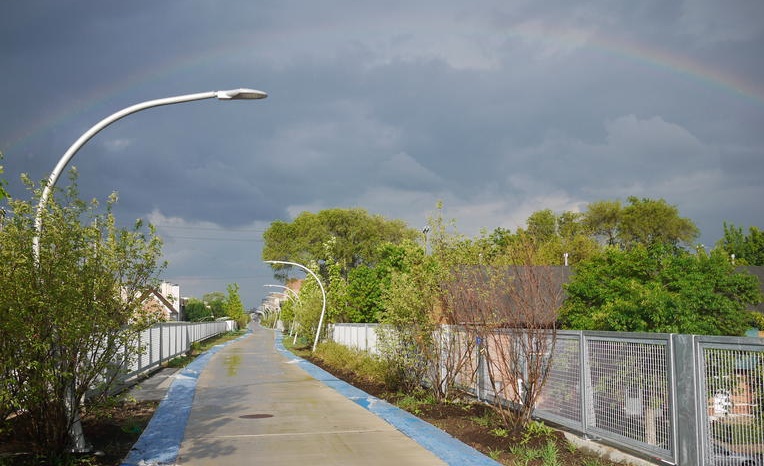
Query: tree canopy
[197,311]
[660,289]
[747,248]
[643,221]
[348,237]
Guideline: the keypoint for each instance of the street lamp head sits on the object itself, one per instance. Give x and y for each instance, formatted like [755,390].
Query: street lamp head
[240,94]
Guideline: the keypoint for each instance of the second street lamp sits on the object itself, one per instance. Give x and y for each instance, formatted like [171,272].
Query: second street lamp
[323,295]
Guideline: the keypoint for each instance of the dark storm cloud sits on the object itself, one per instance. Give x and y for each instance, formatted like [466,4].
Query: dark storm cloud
[497,108]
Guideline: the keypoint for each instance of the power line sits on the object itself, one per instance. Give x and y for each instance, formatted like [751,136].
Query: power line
[202,238]
[232,230]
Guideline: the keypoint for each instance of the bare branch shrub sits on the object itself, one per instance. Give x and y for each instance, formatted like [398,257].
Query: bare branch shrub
[514,309]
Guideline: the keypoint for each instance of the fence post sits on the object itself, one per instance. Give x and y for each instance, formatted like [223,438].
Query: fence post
[480,362]
[687,400]
[588,415]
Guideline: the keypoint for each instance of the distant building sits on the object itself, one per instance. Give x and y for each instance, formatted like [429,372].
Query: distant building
[164,302]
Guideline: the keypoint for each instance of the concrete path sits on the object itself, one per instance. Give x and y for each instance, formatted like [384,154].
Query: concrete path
[251,402]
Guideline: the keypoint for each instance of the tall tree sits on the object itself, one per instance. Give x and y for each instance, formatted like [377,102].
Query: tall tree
[554,238]
[542,225]
[643,221]
[349,237]
[232,305]
[603,219]
[649,222]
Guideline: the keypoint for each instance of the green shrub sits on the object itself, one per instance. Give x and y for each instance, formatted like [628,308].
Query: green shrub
[359,362]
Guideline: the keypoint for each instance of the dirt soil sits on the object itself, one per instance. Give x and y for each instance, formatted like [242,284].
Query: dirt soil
[112,431]
[463,421]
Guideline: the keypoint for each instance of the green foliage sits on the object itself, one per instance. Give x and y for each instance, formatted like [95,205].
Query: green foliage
[500,432]
[488,418]
[233,306]
[215,302]
[308,312]
[550,454]
[361,363]
[65,318]
[3,192]
[747,248]
[351,234]
[553,236]
[338,300]
[643,221]
[650,222]
[197,311]
[365,294]
[659,289]
[534,430]
[523,454]
[494,454]
[602,219]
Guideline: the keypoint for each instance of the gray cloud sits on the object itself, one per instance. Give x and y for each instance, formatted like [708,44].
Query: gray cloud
[498,109]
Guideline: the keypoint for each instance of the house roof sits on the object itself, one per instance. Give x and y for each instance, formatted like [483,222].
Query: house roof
[156,294]
[512,296]
[758,272]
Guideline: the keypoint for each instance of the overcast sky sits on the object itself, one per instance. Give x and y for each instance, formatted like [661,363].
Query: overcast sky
[497,108]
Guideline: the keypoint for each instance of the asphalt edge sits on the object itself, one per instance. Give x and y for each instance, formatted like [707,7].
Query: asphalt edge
[159,444]
[444,446]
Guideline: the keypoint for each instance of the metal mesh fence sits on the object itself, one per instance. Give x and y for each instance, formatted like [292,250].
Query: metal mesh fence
[561,396]
[629,392]
[731,412]
[680,399]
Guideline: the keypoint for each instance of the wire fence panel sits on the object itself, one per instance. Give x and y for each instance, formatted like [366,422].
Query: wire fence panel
[561,398]
[732,383]
[632,390]
[629,393]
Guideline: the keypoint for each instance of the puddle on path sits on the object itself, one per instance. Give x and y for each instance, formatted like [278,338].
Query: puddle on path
[232,363]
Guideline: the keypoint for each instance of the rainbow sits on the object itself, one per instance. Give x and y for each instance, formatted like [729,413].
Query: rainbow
[533,32]
[101,94]
[641,53]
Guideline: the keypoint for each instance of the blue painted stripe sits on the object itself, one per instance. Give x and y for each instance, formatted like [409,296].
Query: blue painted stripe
[159,444]
[443,445]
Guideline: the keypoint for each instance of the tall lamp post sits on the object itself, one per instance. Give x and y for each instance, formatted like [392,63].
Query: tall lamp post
[286,288]
[323,295]
[234,94]
[75,432]
[294,296]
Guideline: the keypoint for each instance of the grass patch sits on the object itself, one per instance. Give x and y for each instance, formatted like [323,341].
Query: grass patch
[361,363]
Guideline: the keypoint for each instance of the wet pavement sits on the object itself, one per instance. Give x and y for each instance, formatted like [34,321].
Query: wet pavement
[251,401]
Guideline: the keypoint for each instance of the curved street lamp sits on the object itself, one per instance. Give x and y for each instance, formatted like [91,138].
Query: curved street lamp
[294,293]
[234,94]
[75,431]
[323,295]
[294,297]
